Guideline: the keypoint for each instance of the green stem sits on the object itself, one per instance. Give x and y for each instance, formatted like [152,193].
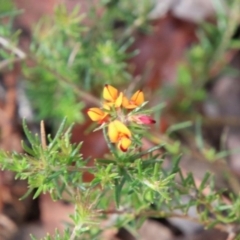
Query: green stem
[148,151]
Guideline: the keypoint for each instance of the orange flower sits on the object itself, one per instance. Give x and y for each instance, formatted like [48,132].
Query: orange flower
[136,100]
[118,133]
[112,96]
[97,115]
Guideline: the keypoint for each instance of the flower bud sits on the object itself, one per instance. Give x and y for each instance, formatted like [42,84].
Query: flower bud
[142,119]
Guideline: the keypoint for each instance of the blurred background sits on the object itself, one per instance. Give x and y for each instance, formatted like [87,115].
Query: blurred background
[56,56]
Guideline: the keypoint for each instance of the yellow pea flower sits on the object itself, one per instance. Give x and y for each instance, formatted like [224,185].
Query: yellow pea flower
[112,96]
[136,100]
[124,144]
[97,115]
[119,133]
[110,93]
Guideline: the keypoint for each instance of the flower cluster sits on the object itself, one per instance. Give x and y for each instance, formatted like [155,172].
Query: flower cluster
[117,112]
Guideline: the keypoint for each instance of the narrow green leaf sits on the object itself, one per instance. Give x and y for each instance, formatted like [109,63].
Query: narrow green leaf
[139,168]
[28,149]
[29,191]
[28,134]
[176,161]
[165,195]
[168,178]
[156,171]
[118,189]
[198,130]
[189,204]
[146,163]
[189,181]
[76,149]
[126,174]
[32,237]
[204,181]
[105,161]
[150,150]
[53,176]
[38,192]
[95,182]
[58,134]
[212,224]
[108,168]
[179,126]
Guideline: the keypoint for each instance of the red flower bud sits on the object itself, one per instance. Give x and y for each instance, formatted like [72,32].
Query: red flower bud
[142,119]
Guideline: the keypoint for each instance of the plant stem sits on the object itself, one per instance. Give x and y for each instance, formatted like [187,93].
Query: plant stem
[162,214]
[74,232]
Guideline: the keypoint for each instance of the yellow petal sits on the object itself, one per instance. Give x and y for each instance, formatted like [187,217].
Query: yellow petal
[137,98]
[119,100]
[110,93]
[96,114]
[122,128]
[124,144]
[113,132]
[107,105]
[116,130]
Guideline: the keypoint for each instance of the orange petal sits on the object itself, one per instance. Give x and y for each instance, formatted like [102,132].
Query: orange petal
[124,144]
[137,98]
[96,114]
[131,106]
[125,101]
[110,93]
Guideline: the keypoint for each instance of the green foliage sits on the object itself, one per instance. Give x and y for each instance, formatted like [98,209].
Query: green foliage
[71,59]
[57,236]
[206,59]
[70,54]
[6,7]
[45,169]
[8,38]
[137,182]
[209,55]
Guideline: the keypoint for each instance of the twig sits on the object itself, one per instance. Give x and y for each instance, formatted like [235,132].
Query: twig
[8,62]
[6,43]
[43,135]
[74,232]
[73,54]
[148,213]
[18,52]
[77,169]
[153,213]
[231,236]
